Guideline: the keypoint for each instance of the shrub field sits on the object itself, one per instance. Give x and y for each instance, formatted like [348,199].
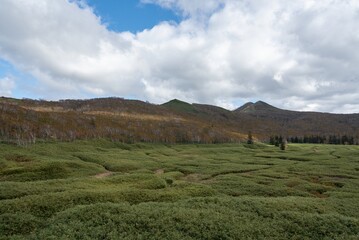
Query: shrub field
[106,190]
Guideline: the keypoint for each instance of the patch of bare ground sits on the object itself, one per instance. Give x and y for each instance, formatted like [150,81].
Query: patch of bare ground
[320,193]
[159,171]
[194,177]
[316,149]
[103,175]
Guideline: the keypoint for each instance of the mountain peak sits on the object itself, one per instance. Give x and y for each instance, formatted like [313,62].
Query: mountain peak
[245,107]
[179,105]
[254,107]
[261,103]
[175,101]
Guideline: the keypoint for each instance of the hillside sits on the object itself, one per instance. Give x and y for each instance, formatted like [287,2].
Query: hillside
[26,121]
[264,120]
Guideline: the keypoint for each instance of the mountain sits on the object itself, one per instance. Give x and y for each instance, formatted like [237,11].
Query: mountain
[179,106]
[205,111]
[245,107]
[265,120]
[27,121]
[256,108]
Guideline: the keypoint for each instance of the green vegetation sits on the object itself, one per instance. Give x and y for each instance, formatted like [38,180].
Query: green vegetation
[109,190]
[180,106]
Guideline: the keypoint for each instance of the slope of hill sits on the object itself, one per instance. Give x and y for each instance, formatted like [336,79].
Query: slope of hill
[264,120]
[256,108]
[179,106]
[26,121]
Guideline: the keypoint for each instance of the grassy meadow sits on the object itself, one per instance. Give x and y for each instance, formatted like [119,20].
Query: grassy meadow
[106,190]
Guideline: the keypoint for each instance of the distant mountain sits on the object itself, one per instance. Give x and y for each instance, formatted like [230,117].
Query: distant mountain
[180,106]
[245,107]
[265,120]
[24,121]
[207,112]
[256,107]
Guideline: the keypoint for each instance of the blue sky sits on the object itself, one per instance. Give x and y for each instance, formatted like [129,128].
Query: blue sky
[220,52]
[25,86]
[131,15]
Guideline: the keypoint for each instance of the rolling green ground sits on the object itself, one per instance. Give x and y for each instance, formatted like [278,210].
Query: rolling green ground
[105,190]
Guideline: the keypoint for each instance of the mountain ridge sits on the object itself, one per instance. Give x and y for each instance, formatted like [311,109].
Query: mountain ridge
[257,106]
[125,120]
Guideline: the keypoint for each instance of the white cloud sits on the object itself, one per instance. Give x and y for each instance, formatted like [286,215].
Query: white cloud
[7,84]
[300,54]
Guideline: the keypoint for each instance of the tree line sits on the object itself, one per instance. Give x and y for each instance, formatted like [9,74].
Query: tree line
[316,139]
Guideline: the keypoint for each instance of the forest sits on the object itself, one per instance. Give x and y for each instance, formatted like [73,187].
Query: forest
[27,121]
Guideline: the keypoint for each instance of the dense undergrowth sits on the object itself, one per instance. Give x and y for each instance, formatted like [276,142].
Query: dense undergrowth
[106,190]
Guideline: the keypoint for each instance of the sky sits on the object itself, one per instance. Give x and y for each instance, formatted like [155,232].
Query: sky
[299,55]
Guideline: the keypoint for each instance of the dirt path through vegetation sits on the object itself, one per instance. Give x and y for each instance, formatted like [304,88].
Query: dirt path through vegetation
[103,175]
[159,171]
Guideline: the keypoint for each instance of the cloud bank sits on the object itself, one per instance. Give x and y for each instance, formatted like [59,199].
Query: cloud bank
[7,84]
[300,54]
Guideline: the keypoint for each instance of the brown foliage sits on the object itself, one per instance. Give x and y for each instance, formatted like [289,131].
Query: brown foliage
[25,121]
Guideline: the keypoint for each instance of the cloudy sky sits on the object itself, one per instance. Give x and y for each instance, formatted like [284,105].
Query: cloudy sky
[298,54]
